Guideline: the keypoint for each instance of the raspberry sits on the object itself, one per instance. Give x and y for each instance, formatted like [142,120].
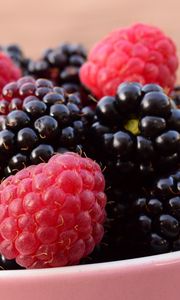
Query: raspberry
[52,214]
[140,53]
[9,71]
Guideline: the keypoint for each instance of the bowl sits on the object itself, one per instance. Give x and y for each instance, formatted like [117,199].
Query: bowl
[149,278]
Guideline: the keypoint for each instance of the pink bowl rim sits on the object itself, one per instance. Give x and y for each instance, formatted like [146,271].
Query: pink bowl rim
[89,269]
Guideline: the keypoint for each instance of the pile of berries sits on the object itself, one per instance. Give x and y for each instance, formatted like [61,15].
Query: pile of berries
[90,151]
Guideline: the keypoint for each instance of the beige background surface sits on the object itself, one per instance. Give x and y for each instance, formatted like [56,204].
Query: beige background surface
[37,24]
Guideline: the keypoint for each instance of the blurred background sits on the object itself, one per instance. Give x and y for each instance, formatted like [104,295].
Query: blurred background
[36,25]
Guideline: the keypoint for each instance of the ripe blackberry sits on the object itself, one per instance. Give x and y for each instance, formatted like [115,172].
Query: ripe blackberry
[61,65]
[46,120]
[136,134]
[154,217]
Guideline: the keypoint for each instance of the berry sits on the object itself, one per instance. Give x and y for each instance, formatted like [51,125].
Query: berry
[9,71]
[135,134]
[134,144]
[52,214]
[140,53]
[47,121]
[135,138]
[155,217]
[61,65]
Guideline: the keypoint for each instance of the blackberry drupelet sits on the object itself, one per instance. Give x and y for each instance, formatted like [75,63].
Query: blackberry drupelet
[137,133]
[6,264]
[46,120]
[61,65]
[154,218]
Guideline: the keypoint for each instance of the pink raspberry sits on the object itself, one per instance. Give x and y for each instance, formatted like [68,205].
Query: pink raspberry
[8,70]
[139,53]
[52,214]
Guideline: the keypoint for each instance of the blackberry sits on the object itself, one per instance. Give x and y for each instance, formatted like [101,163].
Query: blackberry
[47,120]
[154,217]
[141,221]
[61,65]
[136,134]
